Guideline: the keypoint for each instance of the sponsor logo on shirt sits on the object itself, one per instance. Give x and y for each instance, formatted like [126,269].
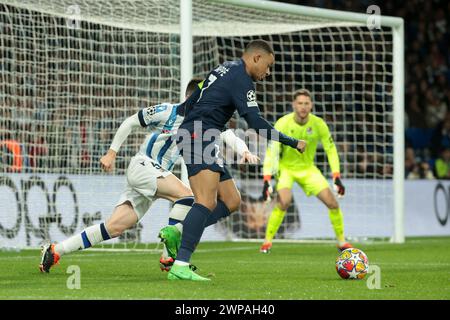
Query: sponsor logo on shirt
[222,70]
[161,108]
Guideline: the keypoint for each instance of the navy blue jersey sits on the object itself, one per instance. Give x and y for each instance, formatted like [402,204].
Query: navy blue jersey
[226,89]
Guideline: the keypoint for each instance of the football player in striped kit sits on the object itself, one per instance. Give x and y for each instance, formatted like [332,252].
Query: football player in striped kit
[149,178]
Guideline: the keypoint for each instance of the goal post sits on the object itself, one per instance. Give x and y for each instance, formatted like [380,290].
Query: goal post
[398,83]
[397,26]
[72,73]
[187,57]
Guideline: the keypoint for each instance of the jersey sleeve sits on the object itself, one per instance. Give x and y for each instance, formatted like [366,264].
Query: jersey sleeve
[153,115]
[329,147]
[234,142]
[244,96]
[124,131]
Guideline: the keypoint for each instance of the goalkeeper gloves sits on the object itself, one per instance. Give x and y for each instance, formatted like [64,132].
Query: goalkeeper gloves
[267,189]
[337,184]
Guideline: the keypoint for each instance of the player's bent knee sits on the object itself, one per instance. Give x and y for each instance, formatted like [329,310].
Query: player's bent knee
[333,205]
[284,204]
[234,204]
[232,201]
[185,193]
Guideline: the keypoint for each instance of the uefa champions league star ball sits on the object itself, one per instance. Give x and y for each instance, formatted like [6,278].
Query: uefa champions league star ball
[352,264]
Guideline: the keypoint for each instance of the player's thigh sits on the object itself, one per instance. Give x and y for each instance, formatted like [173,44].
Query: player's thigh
[229,194]
[312,181]
[172,188]
[148,178]
[328,198]
[142,184]
[143,173]
[123,217]
[205,185]
[284,198]
[285,180]
[139,202]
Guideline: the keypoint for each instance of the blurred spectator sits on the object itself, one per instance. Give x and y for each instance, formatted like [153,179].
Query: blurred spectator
[440,139]
[410,161]
[443,165]
[11,155]
[421,170]
[436,110]
[416,118]
[73,99]
[38,152]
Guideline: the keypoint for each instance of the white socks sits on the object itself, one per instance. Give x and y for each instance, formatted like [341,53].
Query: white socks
[86,239]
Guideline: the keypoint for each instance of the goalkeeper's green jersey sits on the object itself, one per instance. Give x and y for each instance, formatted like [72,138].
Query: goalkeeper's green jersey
[315,130]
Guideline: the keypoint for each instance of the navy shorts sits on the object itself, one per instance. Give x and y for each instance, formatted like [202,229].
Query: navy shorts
[203,155]
[193,169]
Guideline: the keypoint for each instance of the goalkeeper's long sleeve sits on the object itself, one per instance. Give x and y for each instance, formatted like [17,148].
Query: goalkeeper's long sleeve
[330,149]
[272,158]
[255,121]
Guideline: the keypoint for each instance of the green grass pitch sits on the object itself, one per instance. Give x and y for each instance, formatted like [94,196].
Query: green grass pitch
[418,269]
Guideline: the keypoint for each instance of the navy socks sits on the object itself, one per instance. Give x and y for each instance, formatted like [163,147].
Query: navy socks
[193,227]
[220,212]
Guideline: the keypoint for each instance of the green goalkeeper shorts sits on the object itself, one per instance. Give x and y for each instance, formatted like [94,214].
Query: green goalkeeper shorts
[311,180]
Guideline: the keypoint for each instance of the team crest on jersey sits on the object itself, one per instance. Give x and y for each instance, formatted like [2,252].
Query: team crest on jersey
[150,111]
[251,95]
[251,99]
[309,130]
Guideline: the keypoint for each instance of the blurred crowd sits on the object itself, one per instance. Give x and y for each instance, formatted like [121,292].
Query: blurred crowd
[59,109]
[427,92]
[64,92]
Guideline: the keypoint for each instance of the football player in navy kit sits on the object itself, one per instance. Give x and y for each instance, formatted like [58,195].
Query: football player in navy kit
[227,88]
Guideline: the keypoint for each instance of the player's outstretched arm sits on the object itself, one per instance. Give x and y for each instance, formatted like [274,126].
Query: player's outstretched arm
[239,146]
[255,121]
[143,118]
[107,161]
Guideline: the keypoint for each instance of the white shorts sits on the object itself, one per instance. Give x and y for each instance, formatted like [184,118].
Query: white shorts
[142,175]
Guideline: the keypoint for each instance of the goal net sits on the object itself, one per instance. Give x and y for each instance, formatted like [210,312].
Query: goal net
[72,71]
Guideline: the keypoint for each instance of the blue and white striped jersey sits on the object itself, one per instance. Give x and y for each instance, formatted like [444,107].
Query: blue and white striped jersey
[163,122]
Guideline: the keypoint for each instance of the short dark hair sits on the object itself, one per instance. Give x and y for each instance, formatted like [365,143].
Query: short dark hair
[259,45]
[192,85]
[302,92]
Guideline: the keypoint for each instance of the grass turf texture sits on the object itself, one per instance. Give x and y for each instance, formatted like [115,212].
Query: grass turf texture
[418,269]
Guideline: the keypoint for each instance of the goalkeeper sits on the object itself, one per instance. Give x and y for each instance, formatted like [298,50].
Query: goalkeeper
[292,166]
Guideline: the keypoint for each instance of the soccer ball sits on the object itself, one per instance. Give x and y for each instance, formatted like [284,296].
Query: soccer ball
[352,264]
